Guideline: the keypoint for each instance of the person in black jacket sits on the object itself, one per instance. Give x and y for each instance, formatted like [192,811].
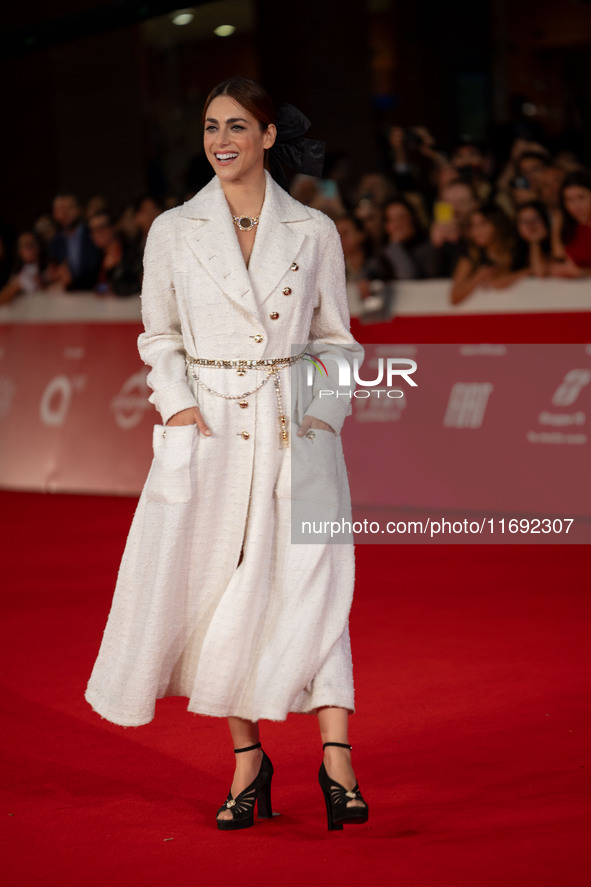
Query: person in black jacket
[75,260]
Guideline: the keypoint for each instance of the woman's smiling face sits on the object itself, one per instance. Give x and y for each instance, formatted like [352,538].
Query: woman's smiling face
[234,142]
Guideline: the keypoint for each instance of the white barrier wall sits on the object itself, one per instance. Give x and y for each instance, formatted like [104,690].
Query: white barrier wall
[411,298]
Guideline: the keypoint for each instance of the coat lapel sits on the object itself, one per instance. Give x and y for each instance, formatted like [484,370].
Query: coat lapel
[211,236]
[278,239]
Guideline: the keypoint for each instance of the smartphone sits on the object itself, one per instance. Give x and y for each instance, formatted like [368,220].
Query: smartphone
[443,212]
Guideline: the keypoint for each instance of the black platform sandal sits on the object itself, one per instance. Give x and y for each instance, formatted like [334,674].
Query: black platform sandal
[242,806]
[337,797]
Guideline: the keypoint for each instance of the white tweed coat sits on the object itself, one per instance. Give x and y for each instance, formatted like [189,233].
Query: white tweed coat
[213,600]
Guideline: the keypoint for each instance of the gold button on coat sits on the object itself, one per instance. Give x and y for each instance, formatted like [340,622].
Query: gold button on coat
[287,291]
[294,266]
[243,404]
[245,435]
[274,315]
[258,339]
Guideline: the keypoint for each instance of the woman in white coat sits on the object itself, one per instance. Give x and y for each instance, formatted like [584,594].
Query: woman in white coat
[214,601]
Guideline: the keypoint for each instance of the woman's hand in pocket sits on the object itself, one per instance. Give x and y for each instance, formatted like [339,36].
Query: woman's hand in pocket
[312,422]
[192,416]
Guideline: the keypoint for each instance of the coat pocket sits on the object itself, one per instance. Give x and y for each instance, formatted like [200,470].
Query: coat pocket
[310,470]
[169,480]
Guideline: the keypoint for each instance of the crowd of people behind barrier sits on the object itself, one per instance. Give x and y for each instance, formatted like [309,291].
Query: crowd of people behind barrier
[427,215]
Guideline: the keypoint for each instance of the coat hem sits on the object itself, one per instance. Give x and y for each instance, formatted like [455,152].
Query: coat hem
[266,715]
[94,700]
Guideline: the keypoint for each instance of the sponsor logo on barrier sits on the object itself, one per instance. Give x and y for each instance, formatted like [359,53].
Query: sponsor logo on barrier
[467,404]
[573,382]
[130,405]
[55,400]
[380,409]
[561,419]
[555,437]
[571,386]
[483,350]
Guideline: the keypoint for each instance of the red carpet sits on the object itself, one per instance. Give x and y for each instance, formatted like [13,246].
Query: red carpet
[471,738]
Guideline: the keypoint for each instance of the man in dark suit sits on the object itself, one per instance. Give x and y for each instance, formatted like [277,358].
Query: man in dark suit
[75,259]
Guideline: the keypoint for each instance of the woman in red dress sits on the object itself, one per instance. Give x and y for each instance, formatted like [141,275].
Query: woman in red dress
[576,226]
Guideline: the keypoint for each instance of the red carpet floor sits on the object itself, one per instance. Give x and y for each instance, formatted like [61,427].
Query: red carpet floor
[471,739]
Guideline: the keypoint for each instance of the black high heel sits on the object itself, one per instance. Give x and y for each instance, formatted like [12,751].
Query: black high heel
[242,806]
[336,798]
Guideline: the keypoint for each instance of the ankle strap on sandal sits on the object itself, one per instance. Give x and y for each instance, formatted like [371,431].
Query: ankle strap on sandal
[340,745]
[247,748]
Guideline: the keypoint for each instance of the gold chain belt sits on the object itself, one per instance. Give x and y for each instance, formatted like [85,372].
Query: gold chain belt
[271,365]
